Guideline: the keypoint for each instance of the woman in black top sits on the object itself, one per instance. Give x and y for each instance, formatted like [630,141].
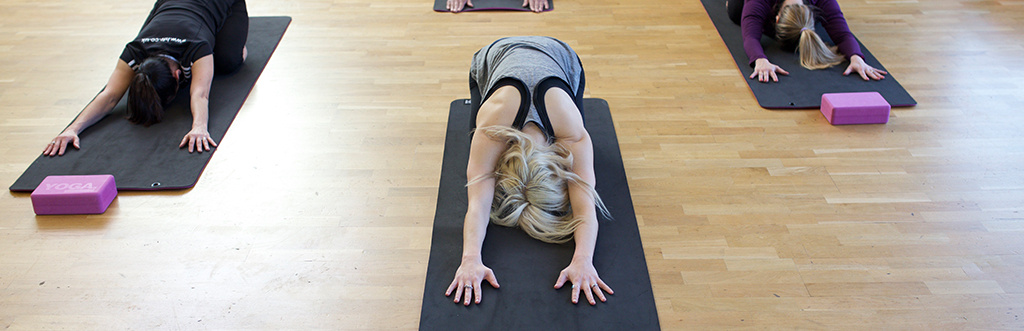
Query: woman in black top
[183,42]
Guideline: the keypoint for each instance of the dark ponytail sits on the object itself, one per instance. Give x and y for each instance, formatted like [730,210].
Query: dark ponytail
[152,87]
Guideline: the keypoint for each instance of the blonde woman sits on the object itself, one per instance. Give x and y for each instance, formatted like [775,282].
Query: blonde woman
[531,161]
[792,22]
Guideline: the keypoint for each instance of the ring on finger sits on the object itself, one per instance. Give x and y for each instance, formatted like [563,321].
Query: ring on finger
[594,286]
[469,287]
[574,286]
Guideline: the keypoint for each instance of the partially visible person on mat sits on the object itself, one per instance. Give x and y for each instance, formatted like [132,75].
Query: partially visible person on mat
[792,23]
[531,161]
[456,6]
[182,43]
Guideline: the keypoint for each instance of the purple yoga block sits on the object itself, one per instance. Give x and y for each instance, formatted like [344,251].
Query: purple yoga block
[74,195]
[855,108]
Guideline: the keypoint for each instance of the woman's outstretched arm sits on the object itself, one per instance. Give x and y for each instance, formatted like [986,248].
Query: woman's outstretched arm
[569,129]
[483,155]
[752,23]
[94,111]
[198,138]
[499,109]
[839,31]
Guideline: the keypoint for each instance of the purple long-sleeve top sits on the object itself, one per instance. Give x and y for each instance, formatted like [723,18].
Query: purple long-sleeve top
[759,17]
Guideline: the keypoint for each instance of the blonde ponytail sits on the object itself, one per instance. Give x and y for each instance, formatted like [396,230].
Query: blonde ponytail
[797,22]
[531,187]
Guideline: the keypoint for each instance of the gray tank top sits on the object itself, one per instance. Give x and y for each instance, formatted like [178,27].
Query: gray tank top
[529,59]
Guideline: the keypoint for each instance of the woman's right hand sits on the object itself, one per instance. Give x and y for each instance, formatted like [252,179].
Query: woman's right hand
[468,279]
[765,70]
[60,143]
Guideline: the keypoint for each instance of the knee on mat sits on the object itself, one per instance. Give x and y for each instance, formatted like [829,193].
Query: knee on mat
[227,65]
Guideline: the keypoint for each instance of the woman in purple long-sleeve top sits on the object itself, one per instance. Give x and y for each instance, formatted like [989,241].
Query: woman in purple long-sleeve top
[794,24]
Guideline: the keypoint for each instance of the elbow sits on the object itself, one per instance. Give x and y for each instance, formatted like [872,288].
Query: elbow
[576,136]
[200,95]
[475,176]
[586,221]
[199,100]
[108,98]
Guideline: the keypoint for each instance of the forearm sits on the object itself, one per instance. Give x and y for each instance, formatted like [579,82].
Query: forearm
[754,51]
[580,198]
[846,43]
[474,229]
[752,27]
[850,48]
[586,239]
[483,155]
[752,47]
[199,91]
[838,30]
[93,112]
[200,111]
[473,232]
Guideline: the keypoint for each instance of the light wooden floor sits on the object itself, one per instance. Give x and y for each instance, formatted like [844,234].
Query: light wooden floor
[316,211]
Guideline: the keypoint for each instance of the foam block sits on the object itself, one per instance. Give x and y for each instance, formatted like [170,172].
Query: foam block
[74,194]
[855,108]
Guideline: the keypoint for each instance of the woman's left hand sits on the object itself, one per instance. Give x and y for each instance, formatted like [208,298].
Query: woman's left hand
[536,5]
[866,71]
[198,139]
[583,276]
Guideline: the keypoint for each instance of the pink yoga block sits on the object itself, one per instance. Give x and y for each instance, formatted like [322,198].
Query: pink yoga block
[74,195]
[855,108]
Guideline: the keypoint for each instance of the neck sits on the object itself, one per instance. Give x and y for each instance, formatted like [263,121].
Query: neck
[536,135]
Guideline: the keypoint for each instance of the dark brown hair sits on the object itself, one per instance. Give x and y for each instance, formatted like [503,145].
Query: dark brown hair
[152,88]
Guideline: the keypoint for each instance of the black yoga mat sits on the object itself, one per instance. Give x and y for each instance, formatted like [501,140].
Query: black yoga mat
[478,5]
[148,158]
[527,268]
[802,88]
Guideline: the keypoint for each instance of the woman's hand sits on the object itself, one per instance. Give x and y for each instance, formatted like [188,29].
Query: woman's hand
[866,71]
[536,5]
[94,111]
[468,279]
[765,70]
[456,6]
[198,139]
[60,143]
[584,277]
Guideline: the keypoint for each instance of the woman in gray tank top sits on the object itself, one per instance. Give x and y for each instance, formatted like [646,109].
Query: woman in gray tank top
[531,161]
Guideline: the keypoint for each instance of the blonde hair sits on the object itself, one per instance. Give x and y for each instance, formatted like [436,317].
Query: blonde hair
[797,21]
[531,187]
